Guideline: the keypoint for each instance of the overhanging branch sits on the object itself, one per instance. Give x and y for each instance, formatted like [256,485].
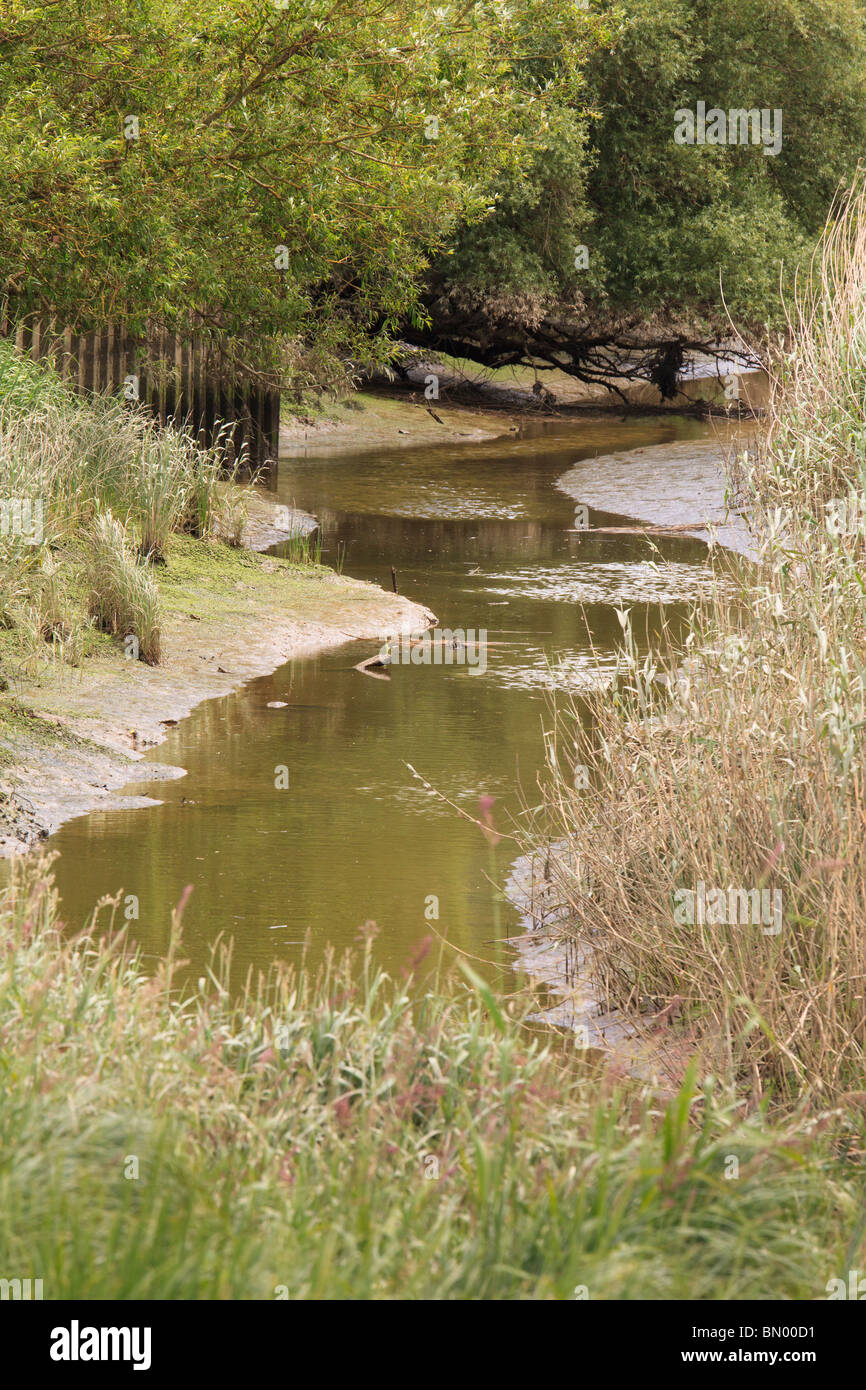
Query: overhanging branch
[592,351]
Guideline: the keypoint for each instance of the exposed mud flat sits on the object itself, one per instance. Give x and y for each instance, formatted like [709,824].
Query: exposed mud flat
[56,775]
[550,956]
[267,525]
[71,738]
[475,403]
[394,417]
[562,967]
[665,485]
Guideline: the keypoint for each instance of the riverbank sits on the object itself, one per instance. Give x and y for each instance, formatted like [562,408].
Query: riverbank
[472,403]
[131,589]
[70,737]
[718,818]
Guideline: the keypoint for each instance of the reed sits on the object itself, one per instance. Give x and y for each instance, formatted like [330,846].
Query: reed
[735,759]
[73,462]
[337,1134]
[122,597]
[304,548]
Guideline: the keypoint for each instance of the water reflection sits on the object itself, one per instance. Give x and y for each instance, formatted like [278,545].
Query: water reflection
[480,534]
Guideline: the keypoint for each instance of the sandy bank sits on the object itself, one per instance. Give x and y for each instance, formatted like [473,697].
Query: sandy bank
[476,403]
[71,737]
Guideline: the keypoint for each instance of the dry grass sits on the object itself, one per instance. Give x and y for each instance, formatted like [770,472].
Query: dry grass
[122,597]
[745,769]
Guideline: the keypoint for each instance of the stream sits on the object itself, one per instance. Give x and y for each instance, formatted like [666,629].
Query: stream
[479,533]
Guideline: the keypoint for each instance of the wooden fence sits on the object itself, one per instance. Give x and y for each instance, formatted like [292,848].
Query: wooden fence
[184,380]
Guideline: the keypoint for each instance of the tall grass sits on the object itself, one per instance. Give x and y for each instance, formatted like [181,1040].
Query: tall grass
[82,458]
[303,548]
[338,1135]
[744,769]
[121,596]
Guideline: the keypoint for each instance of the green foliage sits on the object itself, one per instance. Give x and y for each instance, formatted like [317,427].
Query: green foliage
[300,126]
[338,1136]
[665,222]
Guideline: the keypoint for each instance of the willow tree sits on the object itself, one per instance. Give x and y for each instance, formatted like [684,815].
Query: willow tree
[618,243]
[276,173]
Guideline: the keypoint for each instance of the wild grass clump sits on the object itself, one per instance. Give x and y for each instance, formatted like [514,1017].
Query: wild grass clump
[744,769]
[122,597]
[81,456]
[303,548]
[43,611]
[74,461]
[338,1135]
[25,385]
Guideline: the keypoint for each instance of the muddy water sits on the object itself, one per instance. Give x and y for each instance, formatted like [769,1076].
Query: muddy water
[479,534]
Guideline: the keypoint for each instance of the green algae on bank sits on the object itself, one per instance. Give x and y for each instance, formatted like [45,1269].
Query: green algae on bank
[482,403]
[70,736]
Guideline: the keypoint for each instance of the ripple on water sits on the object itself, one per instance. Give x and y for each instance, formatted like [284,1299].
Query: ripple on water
[435,500]
[620,583]
[434,800]
[542,670]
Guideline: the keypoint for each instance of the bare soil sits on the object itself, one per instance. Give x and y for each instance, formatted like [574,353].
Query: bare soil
[69,738]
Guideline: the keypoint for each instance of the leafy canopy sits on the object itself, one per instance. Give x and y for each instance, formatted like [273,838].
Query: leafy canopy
[664,222]
[292,165]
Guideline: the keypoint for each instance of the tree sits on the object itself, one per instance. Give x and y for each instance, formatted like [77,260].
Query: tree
[274,173]
[666,228]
